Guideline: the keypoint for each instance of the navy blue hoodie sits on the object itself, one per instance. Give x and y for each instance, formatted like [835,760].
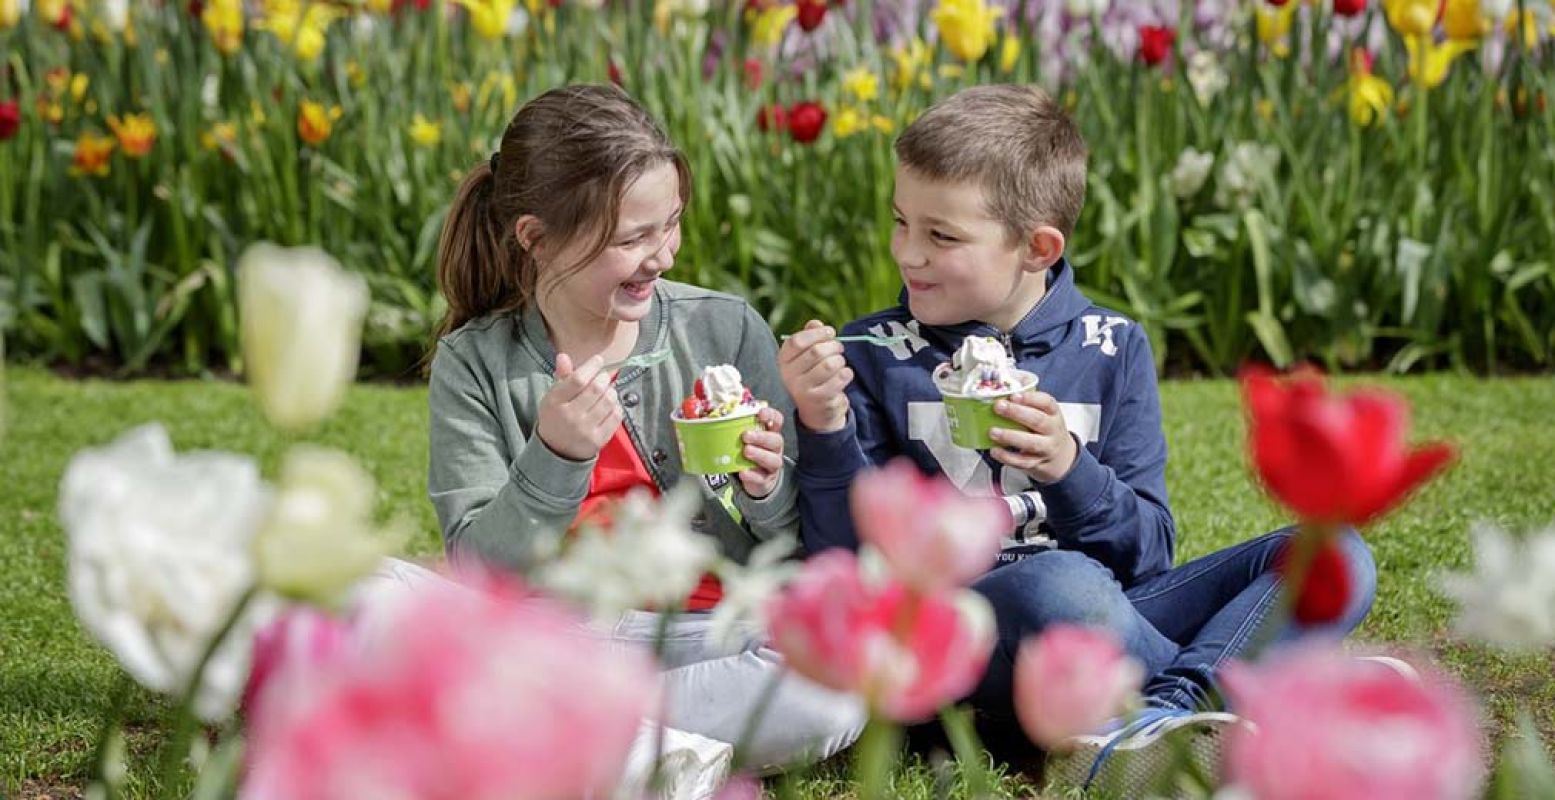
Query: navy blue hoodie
[1096,363]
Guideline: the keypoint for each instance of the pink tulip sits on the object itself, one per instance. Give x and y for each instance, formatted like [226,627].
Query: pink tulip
[299,639]
[932,535]
[1333,727]
[1070,680]
[905,653]
[473,694]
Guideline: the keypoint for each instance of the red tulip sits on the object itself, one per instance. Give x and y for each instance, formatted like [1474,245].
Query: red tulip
[811,14]
[614,72]
[1155,43]
[805,121]
[1277,3]
[754,72]
[10,119]
[196,8]
[1333,460]
[771,117]
[1349,8]
[1326,586]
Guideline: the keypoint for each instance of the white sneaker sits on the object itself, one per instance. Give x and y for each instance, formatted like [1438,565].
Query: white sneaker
[692,767]
[1128,759]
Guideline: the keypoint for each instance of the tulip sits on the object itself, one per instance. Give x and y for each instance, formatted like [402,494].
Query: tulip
[932,536]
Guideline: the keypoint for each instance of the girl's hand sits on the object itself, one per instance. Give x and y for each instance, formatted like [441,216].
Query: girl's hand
[765,449]
[1045,450]
[580,412]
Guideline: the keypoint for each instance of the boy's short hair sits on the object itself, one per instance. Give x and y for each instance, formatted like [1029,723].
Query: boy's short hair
[1016,142]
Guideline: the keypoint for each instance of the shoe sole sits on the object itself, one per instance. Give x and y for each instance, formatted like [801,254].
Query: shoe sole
[1136,767]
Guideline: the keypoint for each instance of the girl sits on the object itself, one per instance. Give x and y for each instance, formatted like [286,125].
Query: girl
[551,262]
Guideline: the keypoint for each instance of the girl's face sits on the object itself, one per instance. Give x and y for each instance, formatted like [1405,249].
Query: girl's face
[618,283]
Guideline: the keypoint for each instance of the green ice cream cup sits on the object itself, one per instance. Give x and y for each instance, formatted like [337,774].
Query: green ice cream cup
[713,446]
[972,417]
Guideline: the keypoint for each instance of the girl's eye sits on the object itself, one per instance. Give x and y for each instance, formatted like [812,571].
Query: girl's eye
[900,223]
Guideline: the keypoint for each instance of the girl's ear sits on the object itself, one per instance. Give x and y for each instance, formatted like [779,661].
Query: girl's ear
[1043,249]
[527,230]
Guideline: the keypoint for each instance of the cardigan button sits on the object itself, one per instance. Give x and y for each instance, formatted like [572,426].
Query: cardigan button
[659,457]
[631,399]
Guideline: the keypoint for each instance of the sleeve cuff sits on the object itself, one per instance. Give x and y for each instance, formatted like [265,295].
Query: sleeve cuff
[829,458]
[550,477]
[1074,494]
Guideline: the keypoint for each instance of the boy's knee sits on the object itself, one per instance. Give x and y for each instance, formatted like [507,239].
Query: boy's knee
[1058,586]
[1363,572]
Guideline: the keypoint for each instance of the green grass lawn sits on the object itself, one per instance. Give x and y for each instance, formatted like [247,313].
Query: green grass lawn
[54,682]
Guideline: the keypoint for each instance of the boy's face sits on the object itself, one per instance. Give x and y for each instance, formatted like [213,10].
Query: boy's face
[955,259]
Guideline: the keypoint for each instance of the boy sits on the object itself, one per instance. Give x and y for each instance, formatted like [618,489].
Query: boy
[989,185]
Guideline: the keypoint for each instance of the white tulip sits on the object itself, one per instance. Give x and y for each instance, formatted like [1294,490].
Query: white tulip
[302,331]
[1192,170]
[319,538]
[1206,76]
[650,558]
[159,556]
[1509,598]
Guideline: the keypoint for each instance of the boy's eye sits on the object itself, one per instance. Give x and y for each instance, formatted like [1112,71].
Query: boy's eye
[943,237]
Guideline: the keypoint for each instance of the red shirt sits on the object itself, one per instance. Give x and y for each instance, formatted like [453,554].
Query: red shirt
[618,471]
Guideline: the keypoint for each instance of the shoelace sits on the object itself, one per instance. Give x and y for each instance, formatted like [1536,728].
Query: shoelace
[1147,720]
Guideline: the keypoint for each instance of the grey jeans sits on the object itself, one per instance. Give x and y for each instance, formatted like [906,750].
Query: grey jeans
[713,689]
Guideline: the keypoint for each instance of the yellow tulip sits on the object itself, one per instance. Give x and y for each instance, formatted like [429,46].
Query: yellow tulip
[492,84]
[882,123]
[966,27]
[425,132]
[1429,62]
[862,84]
[380,6]
[489,18]
[91,155]
[770,24]
[1274,25]
[460,93]
[10,13]
[78,85]
[1009,53]
[1530,28]
[1462,19]
[315,123]
[1411,18]
[224,21]
[136,133]
[1370,97]
[221,135]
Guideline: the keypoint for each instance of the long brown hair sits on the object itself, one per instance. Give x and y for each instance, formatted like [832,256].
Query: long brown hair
[566,157]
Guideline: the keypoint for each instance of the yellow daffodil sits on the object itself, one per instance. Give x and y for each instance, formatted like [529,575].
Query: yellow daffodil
[315,123]
[1429,61]
[136,133]
[862,84]
[224,22]
[91,155]
[10,13]
[882,123]
[770,24]
[489,18]
[355,75]
[1370,97]
[847,122]
[1463,19]
[1009,53]
[910,60]
[221,135]
[1273,24]
[299,26]
[1411,18]
[966,27]
[425,132]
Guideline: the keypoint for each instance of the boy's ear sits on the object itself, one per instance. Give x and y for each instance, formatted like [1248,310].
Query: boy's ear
[1044,247]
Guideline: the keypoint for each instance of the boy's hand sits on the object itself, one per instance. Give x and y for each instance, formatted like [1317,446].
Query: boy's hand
[580,412]
[765,448]
[1045,450]
[815,373]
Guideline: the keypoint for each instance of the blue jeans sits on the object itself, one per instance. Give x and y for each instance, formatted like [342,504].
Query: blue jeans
[1182,625]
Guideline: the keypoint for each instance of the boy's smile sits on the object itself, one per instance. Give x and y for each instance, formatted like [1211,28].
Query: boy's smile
[956,259]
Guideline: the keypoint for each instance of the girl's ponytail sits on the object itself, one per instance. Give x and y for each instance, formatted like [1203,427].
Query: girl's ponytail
[476,265]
